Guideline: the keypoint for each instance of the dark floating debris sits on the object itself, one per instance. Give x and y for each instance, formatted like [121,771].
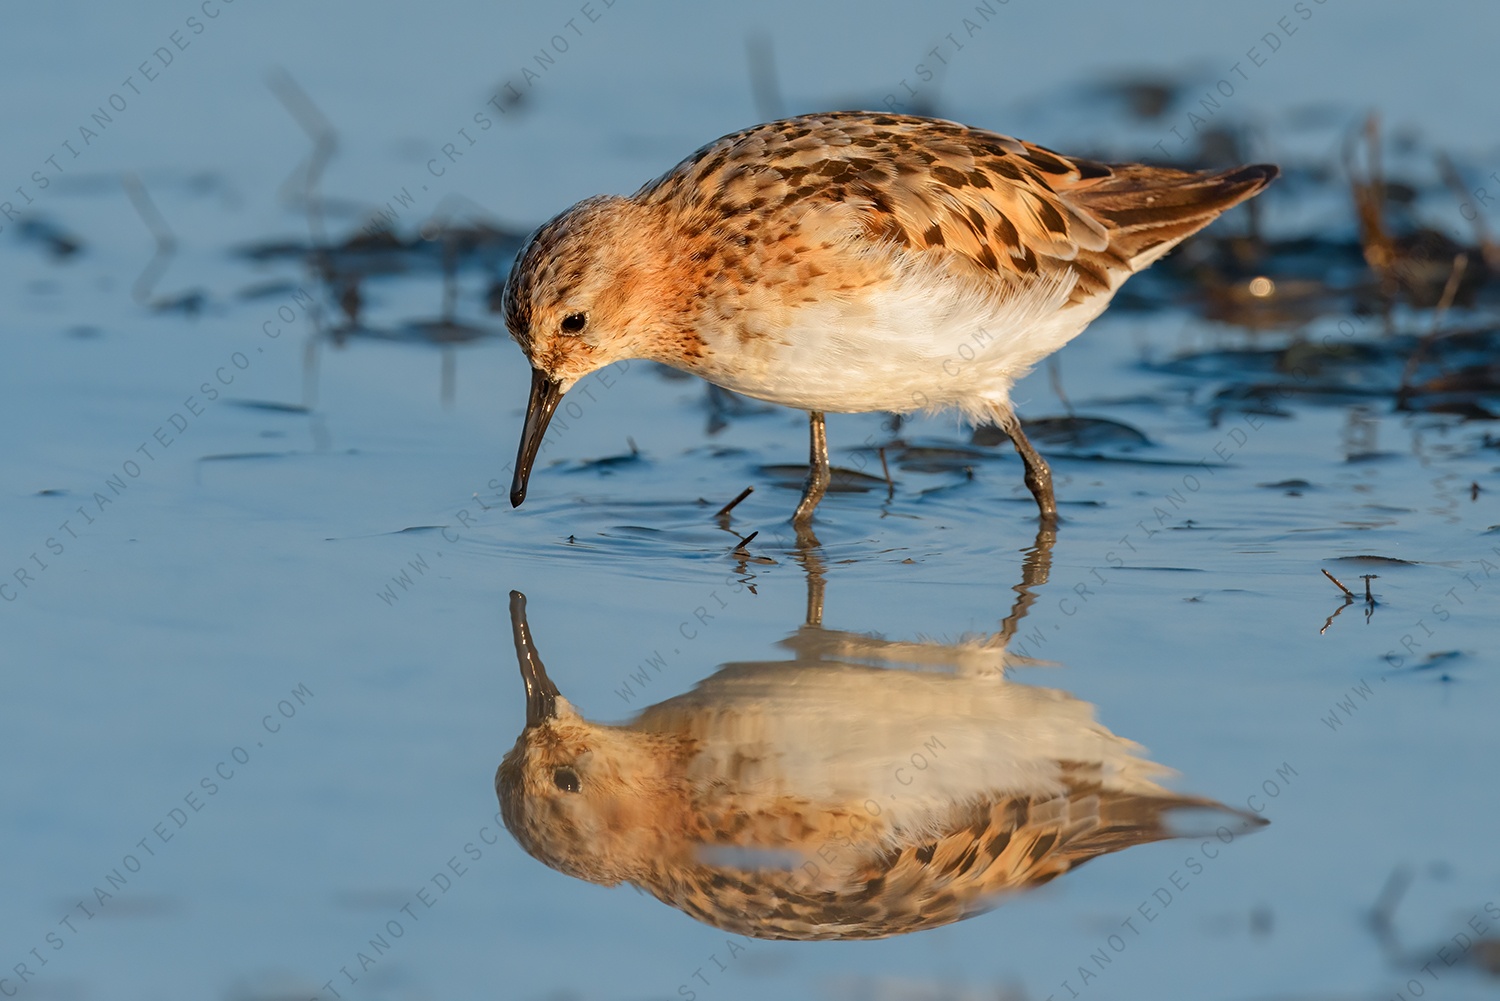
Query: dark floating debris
[442,331]
[1292,487]
[242,456]
[610,462]
[1147,97]
[190,303]
[276,289]
[381,251]
[1455,373]
[1480,952]
[915,458]
[1070,432]
[1380,284]
[1437,659]
[56,241]
[270,406]
[846,481]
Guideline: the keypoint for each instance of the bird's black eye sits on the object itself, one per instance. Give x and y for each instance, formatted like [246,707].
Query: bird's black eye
[566,779]
[574,322]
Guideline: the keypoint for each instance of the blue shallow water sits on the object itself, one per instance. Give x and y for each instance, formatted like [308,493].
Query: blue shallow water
[257,673]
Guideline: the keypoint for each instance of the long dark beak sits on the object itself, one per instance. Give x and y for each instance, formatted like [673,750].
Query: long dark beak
[541,693]
[545,394]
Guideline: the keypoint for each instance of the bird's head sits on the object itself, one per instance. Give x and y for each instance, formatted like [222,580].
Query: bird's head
[584,293]
[586,799]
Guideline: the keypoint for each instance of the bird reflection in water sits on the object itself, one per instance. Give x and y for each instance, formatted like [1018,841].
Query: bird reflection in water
[863,788]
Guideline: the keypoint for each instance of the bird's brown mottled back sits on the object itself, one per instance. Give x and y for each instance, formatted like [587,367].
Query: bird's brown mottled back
[1003,206]
[989,849]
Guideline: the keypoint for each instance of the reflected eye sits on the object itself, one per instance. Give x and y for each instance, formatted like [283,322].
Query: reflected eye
[566,779]
[574,323]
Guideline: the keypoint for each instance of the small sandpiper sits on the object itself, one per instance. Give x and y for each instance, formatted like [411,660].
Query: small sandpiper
[817,798]
[850,262]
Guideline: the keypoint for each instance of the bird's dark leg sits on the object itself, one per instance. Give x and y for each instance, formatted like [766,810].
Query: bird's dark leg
[1038,475]
[818,473]
[1035,569]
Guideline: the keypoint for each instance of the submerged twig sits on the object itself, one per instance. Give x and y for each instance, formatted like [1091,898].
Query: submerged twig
[1489,249]
[1383,912]
[1338,583]
[1369,193]
[1348,600]
[309,175]
[325,143]
[1054,376]
[890,484]
[732,504]
[1450,292]
[166,242]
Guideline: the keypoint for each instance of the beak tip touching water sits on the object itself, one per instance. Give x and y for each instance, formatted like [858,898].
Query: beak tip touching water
[545,394]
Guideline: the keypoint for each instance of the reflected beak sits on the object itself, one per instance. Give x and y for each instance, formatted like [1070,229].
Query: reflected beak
[545,394]
[541,693]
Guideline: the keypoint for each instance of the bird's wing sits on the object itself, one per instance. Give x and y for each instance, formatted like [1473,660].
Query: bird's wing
[862,887]
[1003,207]
[1010,844]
